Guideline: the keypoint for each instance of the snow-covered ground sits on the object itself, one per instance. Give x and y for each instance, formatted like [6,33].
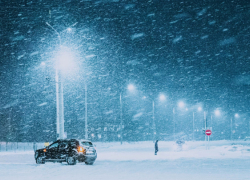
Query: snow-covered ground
[136,161]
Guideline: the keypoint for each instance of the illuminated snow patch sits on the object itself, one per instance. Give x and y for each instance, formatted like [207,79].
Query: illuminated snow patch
[43,104]
[138,35]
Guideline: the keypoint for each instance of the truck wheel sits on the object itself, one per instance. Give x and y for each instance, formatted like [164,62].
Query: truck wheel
[71,161]
[40,160]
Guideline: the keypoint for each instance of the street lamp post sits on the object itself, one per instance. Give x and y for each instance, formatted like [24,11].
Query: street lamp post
[199,109]
[153,119]
[205,120]
[174,122]
[193,126]
[231,128]
[131,88]
[60,106]
[59,94]
[235,116]
[121,123]
[153,108]
[86,111]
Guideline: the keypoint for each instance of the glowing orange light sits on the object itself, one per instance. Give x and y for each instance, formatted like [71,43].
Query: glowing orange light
[44,150]
[80,149]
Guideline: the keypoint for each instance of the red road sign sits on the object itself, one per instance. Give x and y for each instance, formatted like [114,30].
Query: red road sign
[208,132]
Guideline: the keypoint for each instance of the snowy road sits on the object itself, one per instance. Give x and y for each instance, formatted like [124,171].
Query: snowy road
[172,170]
[136,161]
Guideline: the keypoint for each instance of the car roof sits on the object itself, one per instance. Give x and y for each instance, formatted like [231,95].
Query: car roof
[85,140]
[73,140]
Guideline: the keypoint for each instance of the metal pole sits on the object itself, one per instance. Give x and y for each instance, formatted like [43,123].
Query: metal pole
[205,120]
[231,128]
[208,143]
[153,104]
[57,106]
[61,106]
[193,126]
[86,111]
[174,121]
[121,117]
[211,126]
[59,96]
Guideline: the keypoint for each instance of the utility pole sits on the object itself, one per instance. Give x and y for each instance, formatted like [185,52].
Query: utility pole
[174,122]
[121,125]
[205,120]
[231,129]
[59,105]
[153,104]
[193,126]
[86,111]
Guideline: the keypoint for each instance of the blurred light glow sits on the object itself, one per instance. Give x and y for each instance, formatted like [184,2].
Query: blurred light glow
[162,97]
[186,109]
[69,30]
[65,59]
[217,112]
[236,115]
[199,108]
[131,87]
[181,104]
[144,97]
[43,63]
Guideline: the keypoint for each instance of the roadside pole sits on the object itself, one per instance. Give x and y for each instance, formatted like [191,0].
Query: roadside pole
[205,120]
[208,132]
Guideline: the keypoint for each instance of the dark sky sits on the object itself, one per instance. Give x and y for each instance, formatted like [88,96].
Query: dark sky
[192,50]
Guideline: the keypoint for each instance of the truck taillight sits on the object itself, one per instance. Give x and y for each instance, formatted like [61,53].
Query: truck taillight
[44,150]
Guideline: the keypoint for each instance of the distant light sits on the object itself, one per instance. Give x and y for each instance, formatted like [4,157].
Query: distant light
[66,59]
[199,108]
[69,30]
[131,87]
[181,104]
[217,112]
[162,97]
[144,97]
[43,63]
[236,115]
[186,109]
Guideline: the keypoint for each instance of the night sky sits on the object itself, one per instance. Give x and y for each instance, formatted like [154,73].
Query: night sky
[194,51]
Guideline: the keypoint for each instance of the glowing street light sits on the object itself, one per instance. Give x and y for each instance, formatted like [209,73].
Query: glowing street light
[62,62]
[217,112]
[181,104]
[199,108]
[43,63]
[162,97]
[131,87]
[69,30]
[65,58]
[236,115]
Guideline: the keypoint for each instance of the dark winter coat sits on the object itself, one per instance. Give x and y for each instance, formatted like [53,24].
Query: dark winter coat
[156,145]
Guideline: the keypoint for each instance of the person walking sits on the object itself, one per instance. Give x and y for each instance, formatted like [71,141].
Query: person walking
[156,147]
